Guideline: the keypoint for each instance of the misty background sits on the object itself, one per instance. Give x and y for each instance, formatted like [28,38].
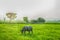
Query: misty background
[48,9]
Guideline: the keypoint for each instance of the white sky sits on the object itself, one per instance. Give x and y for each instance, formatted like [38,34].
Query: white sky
[48,9]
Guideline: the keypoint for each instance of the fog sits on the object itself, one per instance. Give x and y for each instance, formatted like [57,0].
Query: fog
[48,9]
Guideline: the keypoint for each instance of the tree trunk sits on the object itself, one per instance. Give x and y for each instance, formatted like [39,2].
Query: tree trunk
[10,21]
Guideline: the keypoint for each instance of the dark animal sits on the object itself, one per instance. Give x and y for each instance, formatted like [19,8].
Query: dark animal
[26,28]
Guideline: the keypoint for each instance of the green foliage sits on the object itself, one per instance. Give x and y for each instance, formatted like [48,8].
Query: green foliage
[41,20]
[33,21]
[1,21]
[25,19]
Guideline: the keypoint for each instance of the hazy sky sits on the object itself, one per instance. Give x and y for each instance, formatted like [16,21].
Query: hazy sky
[48,9]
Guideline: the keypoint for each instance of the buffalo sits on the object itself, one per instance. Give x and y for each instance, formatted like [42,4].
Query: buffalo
[27,28]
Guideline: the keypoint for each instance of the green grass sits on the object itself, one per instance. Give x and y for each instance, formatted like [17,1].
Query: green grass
[40,32]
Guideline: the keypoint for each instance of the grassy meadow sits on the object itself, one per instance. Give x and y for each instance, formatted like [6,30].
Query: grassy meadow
[40,32]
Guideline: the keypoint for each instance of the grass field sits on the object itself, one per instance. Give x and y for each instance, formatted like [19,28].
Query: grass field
[40,32]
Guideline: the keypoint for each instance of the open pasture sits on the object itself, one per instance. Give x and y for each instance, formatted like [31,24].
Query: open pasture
[40,32]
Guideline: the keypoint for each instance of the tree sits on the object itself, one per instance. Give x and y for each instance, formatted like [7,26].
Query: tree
[25,19]
[40,20]
[33,21]
[4,19]
[11,15]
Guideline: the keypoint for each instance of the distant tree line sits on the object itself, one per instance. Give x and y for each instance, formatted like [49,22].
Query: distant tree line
[12,16]
[38,20]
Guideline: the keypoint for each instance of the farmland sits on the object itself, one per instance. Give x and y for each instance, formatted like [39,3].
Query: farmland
[40,32]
